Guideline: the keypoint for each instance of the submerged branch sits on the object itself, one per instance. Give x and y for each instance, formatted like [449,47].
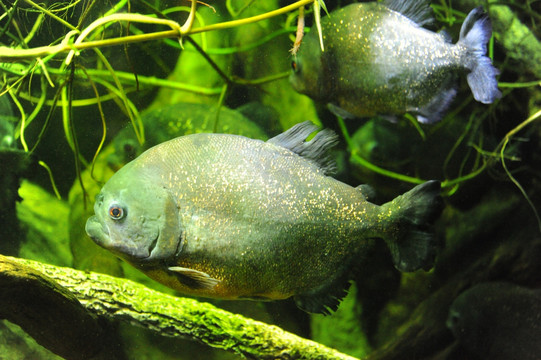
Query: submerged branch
[77,297]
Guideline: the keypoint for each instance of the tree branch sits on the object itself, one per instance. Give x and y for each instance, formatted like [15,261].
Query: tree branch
[59,300]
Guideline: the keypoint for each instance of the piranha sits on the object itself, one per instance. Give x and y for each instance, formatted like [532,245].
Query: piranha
[170,121]
[498,320]
[379,60]
[225,216]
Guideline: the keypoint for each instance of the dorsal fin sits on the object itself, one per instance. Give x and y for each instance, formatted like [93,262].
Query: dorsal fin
[315,150]
[418,11]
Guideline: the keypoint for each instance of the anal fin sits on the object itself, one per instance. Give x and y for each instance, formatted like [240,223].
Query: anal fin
[194,278]
[323,300]
[436,108]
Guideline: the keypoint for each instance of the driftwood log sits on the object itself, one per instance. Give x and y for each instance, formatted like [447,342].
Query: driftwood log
[68,312]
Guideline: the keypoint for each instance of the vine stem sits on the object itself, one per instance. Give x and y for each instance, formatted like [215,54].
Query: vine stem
[120,17]
[8,54]
[503,145]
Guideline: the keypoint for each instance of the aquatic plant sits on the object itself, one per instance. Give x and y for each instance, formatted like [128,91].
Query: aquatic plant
[62,65]
[77,53]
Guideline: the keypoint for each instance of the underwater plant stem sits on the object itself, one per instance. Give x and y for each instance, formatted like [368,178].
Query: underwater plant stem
[234,80]
[235,23]
[45,71]
[52,108]
[103,123]
[51,178]
[153,81]
[211,62]
[458,180]
[345,133]
[106,298]
[34,29]
[317,17]
[116,8]
[262,80]
[232,11]
[121,17]
[65,115]
[246,46]
[367,164]
[7,13]
[191,17]
[220,104]
[521,126]
[413,121]
[23,118]
[504,143]
[355,157]
[10,54]
[457,143]
[19,132]
[130,110]
[50,14]
[68,112]
[519,84]
[391,174]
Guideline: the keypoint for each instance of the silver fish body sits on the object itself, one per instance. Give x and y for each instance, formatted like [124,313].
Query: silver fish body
[378,61]
[498,320]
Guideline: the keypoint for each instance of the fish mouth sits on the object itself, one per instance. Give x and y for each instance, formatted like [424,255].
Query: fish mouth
[131,250]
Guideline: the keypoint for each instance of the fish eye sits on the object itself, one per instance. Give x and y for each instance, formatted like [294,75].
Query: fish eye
[128,148]
[116,212]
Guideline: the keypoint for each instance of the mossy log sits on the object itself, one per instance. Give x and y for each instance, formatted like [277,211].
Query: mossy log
[68,312]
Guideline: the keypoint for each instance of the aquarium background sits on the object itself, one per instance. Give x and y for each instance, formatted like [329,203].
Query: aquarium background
[66,128]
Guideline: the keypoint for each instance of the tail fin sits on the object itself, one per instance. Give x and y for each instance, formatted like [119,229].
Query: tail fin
[474,35]
[413,245]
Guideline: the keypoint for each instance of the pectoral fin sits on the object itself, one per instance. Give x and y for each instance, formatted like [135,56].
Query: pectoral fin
[194,278]
[338,111]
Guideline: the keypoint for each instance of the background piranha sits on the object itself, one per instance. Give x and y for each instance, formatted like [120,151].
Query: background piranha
[230,217]
[378,60]
[498,320]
